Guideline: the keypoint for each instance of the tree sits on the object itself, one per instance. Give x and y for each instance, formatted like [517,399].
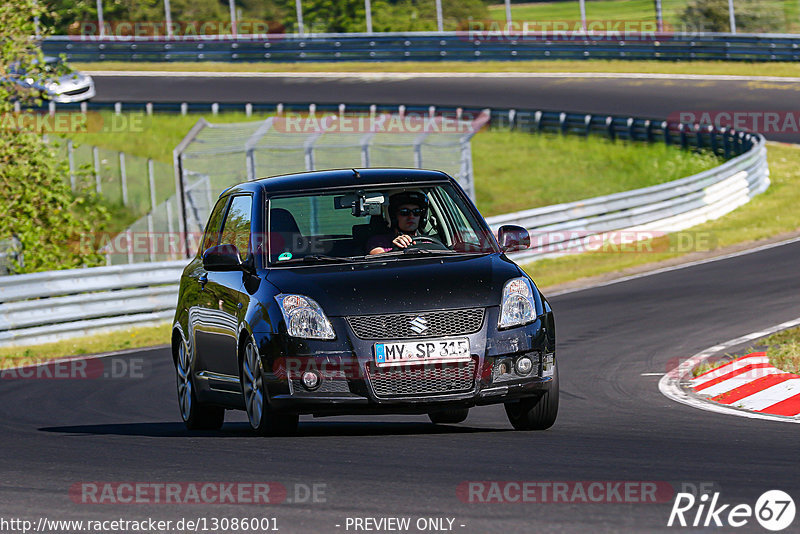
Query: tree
[38,207]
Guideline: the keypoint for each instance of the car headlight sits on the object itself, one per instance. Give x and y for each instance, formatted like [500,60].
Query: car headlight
[304,317]
[517,306]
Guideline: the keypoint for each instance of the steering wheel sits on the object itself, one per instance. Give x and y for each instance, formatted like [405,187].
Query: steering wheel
[420,241]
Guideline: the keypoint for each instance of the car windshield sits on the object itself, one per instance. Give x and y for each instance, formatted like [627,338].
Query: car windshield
[345,226]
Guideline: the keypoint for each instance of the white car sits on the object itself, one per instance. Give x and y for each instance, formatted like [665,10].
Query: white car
[73,87]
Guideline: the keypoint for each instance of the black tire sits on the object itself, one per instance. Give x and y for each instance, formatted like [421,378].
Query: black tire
[195,416]
[254,392]
[537,413]
[450,416]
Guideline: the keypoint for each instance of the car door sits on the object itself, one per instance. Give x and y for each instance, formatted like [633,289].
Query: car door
[223,299]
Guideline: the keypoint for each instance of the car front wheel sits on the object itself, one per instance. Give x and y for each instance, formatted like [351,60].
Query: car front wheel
[538,413]
[256,403]
[195,415]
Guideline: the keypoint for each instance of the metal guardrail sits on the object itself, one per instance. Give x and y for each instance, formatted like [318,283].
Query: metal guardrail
[41,307]
[430,47]
[48,306]
[569,228]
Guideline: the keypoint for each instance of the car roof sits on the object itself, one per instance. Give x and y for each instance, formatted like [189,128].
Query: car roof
[339,178]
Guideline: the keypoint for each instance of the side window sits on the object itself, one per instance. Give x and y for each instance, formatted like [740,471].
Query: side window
[236,230]
[212,226]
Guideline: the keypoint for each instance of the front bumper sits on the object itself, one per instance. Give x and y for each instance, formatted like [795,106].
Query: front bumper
[347,386]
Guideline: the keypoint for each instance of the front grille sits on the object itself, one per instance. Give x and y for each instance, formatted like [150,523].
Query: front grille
[415,380]
[417,325]
[78,91]
[329,385]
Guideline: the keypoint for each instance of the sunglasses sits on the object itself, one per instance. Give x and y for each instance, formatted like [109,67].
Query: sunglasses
[405,212]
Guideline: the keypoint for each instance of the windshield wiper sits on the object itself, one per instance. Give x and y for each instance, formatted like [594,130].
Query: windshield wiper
[321,258]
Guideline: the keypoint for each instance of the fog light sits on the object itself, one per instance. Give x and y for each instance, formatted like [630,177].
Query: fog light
[524,365]
[311,380]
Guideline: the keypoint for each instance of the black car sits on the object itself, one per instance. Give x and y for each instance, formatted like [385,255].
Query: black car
[304,299]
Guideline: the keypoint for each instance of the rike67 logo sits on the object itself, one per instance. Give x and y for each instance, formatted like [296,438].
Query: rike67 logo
[774,510]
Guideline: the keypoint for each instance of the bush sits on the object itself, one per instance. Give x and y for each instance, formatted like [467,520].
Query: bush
[752,16]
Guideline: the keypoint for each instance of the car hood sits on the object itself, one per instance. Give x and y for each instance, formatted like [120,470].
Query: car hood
[400,285]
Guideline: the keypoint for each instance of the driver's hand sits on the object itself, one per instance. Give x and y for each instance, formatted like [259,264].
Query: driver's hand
[402,241]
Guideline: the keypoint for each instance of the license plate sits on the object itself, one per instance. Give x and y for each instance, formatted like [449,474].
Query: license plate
[422,351]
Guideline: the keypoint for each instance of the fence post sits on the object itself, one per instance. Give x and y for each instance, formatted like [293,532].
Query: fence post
[587,125]
[631,129]
[248,110]
[150,241]
[667,135]
[726,142]
[151,179]
[123,178]
[96,157]
[562,123]
[71,158]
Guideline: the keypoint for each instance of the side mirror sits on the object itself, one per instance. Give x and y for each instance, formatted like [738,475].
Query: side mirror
[222,258]
[513,238]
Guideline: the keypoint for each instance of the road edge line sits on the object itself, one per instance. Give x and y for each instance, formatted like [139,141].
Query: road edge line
[670,387]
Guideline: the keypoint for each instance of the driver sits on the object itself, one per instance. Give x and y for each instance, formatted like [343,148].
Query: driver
[407,211]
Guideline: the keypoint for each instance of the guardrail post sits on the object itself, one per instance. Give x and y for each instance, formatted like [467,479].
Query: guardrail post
[667,134]
[123,178]
[648,130]
[148,108]
[71,158]
[726,142]
[612,135]
[712,135]
[96,158]
[51,108]
[512,118]
[215,109]
[184,108]
[587,125]
[117,108]
[684,137]
[698,137]
[631,129]
[537,120]
[248,110]
[279,109]
[562,123]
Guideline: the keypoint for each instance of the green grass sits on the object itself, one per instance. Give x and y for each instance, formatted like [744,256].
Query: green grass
[124,339]
[733,68]
[769,214]
[546,169]
[595,10]
[540,170]
[632,10]
[783,350]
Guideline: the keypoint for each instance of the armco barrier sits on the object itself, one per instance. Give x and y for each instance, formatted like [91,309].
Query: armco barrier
[669,207]
[48,306]
[449,46]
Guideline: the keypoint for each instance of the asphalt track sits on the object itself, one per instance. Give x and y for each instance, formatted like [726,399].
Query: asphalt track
[613,425]
[651,98]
